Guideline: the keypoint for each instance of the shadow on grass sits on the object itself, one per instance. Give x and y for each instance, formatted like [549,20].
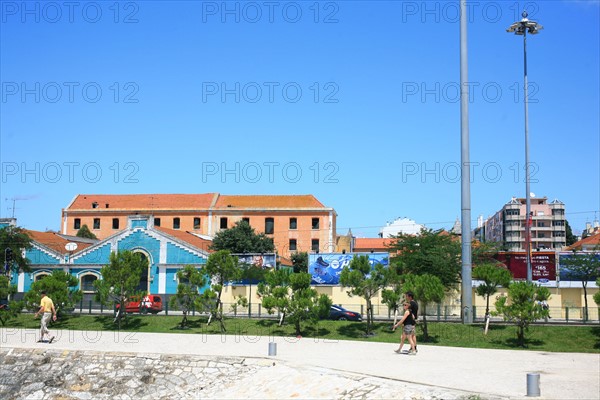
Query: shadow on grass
[354,330]
[128,322]
[267,323]
[190,324]
[514,343]
[596,333]
[315,331]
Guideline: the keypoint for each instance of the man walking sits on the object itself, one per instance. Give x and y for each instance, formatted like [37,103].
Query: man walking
[47,311]
[414,309]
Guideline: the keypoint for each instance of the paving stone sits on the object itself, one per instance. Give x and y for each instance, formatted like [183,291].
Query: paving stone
[97,375]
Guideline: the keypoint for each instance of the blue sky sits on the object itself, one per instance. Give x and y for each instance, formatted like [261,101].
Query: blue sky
[355,102]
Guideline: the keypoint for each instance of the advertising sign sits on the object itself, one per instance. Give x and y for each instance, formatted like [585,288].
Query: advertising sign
[325,269]
[264,261]
[565,273]
[543,265]
[258,260]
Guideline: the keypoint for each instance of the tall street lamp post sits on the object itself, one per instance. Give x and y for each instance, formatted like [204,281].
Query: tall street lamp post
[523,27]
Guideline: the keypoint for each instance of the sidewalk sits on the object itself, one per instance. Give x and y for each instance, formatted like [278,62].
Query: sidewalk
[488,373]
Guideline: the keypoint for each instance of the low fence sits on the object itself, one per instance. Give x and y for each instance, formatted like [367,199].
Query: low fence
[434,312]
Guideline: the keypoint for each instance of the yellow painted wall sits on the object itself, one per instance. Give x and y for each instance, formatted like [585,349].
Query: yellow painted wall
[560,299]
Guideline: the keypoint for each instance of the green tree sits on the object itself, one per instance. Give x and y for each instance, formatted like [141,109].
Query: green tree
[8,308]
[291,295]
[393,299]
[120,278]
[522,306]
[364,281]
[84,232]
[597,294]
[484,252]
[242,239]
[393,296]
[300,261]
[570,238]
[13,240]
[427,289]
[305,303]
[274,292]
[60,286]
[187,298]
[492,275]
[221,267]
[431,252]
[584,267]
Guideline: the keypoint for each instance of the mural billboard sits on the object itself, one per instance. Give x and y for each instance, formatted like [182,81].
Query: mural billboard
[264,261]
[565,273]
[543,265]
[325,269]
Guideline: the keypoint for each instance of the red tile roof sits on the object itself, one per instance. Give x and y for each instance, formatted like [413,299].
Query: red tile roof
[269,201]
[187,237]
[285,262]
[141,201]
[372,243]
[590,241]
[190,201]
[55,242]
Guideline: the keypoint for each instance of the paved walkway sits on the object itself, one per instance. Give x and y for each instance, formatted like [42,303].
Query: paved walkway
[308,367]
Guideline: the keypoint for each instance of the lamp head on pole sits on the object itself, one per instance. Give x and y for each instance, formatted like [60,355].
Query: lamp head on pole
[525,26]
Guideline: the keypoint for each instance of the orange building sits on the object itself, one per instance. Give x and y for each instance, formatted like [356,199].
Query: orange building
[295,222]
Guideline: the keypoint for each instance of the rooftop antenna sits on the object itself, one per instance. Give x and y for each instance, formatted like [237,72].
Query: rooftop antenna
[14,200]
[14,207]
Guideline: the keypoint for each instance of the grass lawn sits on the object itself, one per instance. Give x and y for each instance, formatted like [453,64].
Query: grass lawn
[581,339]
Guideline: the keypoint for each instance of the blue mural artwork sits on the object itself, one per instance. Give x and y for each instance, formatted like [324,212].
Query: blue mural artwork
[325,269]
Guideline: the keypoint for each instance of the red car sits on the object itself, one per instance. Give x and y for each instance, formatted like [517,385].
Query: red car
[150,303]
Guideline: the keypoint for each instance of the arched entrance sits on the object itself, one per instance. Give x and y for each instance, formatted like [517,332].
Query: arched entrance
[144,285]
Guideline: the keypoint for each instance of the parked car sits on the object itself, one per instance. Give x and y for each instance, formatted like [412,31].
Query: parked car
[341,314]
[150,303]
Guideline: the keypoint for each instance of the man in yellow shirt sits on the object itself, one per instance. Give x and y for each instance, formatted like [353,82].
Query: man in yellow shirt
[47,310]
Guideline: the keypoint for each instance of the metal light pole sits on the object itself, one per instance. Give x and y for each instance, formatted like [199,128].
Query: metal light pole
[523,27]
[465,198]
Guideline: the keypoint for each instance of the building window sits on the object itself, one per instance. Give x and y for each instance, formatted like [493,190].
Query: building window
[315,223]
[40,276]
[541,224]
[314,245]
[156,221]
[293,223]
[558,212]
[269,226]
[176,223]
[77,223]
[94,205]
[246,220]
[293,245]
[196,222]
[513,212]
[96,223]
[115,223]
[87,283]
[223,223]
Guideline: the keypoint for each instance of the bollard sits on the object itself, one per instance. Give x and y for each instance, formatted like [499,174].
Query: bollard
[272,349]
[533,385]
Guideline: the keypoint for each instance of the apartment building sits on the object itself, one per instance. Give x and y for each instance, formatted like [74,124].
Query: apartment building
[295,222]
[507,226]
